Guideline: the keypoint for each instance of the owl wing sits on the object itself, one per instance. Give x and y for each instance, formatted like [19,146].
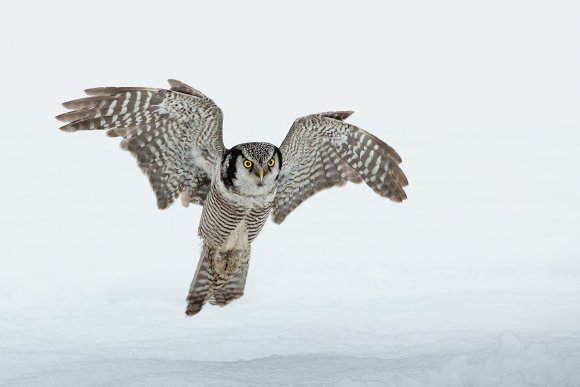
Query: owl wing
[322,151]
[176,134]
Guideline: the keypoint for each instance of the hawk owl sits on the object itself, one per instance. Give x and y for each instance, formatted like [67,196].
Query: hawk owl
[176,136]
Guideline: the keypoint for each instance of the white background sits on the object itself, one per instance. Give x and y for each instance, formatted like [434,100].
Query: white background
[481,100]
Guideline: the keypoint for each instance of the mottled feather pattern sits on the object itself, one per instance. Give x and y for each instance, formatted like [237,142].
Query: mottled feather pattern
[322,151]
[164,129]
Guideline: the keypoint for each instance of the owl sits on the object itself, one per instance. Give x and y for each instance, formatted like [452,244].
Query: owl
[176,136]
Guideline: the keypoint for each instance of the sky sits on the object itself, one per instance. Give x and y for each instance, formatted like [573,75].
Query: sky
[480,99]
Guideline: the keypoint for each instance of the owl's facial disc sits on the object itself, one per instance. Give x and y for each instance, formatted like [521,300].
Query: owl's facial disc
[252,168]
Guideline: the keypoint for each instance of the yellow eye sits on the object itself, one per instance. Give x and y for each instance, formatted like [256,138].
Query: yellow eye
[248,164]
[271,162]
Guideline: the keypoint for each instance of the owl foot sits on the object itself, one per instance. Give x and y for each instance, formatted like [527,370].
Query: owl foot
[227,263]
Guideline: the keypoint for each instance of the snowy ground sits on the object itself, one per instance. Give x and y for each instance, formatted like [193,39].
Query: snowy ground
[473,281]
[146,350]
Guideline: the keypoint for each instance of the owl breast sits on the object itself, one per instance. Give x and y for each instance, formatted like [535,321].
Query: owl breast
[231,221]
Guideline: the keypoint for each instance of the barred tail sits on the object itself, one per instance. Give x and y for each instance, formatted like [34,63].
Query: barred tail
[201,282]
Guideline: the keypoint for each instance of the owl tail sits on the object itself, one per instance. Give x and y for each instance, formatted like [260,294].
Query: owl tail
[201,282]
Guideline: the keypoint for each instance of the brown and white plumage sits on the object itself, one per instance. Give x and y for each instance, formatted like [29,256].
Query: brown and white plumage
[176,136]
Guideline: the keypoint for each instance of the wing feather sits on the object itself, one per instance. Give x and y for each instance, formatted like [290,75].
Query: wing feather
[176,134]
[322,151]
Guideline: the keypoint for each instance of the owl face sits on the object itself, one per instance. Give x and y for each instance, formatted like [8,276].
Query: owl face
[251,168]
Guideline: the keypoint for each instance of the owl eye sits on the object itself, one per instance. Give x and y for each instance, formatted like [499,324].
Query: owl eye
[248,164]
[271,162]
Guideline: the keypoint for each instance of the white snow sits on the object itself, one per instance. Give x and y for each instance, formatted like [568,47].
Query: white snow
[150,351]
[473,281]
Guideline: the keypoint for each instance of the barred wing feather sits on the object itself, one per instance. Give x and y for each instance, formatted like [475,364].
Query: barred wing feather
[176,134]
[322,151]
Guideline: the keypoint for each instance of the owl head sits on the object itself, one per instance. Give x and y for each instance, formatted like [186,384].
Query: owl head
[251,168]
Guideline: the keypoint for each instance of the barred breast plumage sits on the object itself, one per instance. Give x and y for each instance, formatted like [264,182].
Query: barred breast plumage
[224,212]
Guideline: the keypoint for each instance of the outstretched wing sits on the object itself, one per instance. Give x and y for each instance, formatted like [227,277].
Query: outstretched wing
[176,135]
[323,151]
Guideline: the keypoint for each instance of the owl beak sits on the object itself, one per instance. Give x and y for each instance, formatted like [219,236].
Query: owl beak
[261,172]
